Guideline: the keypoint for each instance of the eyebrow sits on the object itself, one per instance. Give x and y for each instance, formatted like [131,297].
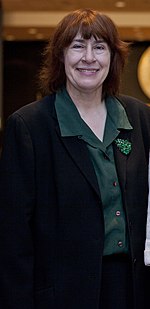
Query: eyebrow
[82,40]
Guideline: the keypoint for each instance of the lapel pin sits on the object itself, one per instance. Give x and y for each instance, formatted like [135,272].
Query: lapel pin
[124,145]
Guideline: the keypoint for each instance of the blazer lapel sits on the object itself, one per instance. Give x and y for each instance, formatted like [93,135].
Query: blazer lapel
[79,153]
[121,158]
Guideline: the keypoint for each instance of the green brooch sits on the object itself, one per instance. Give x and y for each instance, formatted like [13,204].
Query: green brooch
[124,145]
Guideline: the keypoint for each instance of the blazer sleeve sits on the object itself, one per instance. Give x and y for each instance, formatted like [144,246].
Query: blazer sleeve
[17,196]
[147,242]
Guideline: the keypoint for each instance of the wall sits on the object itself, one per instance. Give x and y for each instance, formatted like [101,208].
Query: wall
[130,84]
[21,64]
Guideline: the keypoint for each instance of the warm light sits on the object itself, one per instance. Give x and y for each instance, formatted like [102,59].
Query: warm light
[32,31]
[10,37]
[39,36]
[138,33]
[120,4]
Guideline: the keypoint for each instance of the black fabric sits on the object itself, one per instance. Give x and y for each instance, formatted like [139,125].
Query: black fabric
[117,283]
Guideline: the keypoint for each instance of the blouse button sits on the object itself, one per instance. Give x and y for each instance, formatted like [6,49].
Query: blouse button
[120,244]
[105,157]
[118,213]
[114,183]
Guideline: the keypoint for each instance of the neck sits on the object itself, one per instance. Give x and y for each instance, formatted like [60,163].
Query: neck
[86,100]
[92,110]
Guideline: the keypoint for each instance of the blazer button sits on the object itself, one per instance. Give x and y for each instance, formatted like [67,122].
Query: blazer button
[130,225]
[134,261]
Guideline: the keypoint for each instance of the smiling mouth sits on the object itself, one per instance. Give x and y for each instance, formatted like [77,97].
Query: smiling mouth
[88,70]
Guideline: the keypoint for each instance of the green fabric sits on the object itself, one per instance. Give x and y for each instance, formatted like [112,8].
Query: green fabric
[101,154]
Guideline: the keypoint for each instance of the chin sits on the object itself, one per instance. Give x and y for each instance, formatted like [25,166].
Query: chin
[88,88]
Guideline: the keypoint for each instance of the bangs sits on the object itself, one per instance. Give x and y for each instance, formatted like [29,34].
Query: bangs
[87,30]
[88,26]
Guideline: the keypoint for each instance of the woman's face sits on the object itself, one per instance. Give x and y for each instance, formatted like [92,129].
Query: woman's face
[87,64]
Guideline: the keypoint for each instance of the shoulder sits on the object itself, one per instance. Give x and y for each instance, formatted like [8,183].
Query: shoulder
[34,113]
[134,107]
[31,119]
[32,122]
[138,114]
[44,105]
[132,102]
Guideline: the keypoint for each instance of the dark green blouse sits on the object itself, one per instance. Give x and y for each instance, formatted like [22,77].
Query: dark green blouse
[101,154]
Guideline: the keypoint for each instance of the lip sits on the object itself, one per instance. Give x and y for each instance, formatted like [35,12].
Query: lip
[88,70]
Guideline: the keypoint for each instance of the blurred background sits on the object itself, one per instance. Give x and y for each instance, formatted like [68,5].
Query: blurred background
[25,26]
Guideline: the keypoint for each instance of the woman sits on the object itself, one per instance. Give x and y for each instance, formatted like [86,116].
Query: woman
[74,180]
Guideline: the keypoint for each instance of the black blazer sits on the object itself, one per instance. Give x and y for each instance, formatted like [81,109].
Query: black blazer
[51,218]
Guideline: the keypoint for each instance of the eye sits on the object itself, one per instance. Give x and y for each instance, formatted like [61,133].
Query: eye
[78,46]
[100,47]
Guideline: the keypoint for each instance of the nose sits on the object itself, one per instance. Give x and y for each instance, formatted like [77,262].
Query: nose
[89,55]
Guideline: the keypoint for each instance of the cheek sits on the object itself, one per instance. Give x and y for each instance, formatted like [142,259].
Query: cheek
[107,63]
[71,58]
[66,68]
[66,62]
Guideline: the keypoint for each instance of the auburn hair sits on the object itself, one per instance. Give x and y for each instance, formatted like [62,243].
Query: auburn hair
[89,23]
